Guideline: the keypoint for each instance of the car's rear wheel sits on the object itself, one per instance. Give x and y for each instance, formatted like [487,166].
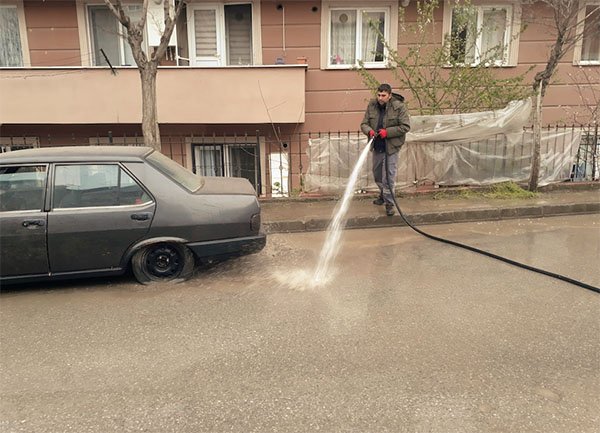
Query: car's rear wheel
[162,262]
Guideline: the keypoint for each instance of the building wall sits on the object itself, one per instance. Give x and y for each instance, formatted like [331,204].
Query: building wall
[335,99]
[52,33]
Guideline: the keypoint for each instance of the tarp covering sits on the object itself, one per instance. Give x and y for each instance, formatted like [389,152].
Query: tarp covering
[466,149]
[467,126]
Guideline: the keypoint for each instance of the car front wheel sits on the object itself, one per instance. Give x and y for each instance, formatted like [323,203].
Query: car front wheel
[162,262]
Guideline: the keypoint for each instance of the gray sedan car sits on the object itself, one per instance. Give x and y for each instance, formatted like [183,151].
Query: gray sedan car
[96,210]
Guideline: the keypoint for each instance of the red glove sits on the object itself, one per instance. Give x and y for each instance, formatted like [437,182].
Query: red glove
[371,133]
[382,133]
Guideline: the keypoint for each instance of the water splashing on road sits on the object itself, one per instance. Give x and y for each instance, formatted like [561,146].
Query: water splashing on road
[334,231]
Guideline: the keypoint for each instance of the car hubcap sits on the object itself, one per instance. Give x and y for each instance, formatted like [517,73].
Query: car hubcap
[163,262]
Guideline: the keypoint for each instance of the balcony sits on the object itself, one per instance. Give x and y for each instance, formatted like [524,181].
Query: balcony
[240,95]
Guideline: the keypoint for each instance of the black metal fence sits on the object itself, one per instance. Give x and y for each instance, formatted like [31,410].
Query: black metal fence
[587,161]
[277,164]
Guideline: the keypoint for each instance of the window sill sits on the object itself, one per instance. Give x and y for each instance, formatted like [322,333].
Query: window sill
[477,66]
[350,67]
[587,63]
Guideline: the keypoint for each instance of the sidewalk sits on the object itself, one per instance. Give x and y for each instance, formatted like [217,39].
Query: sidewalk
[298,215]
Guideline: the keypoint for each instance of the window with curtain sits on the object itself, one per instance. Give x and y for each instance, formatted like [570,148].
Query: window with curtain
[108,35]
[590,50]
[238,34]
[231,160]
[11,51]
[209,160]
[205,23]
[222,34]
[356,35]
[481,34]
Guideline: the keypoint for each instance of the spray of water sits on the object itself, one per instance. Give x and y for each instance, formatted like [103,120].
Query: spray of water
[334,231]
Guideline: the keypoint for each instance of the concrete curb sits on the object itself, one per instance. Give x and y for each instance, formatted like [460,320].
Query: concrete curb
[428,192]
[446,217]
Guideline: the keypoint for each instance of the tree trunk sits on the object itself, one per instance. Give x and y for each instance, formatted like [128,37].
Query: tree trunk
[150,128]
[537,141]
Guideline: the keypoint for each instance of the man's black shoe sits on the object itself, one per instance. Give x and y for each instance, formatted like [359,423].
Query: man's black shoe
[378,201]
[389,210]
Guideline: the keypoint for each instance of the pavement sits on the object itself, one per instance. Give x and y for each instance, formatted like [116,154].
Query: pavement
[430,207]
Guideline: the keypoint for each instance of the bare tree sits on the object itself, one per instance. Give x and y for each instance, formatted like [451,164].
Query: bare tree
[569,30]
[147,63]
[587,83]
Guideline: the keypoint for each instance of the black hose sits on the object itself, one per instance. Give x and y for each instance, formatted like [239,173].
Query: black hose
[477,250]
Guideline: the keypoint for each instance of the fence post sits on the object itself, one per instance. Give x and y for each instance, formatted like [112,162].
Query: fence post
[258,172]
[595,147]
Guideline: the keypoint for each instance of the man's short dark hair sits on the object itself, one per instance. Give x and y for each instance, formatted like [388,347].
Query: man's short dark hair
[385,88]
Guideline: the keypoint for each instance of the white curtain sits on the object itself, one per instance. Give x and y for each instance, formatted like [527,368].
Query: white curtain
[10,38]
[492,37]
[371,44]
[591,40]
[208,160]
[343,37]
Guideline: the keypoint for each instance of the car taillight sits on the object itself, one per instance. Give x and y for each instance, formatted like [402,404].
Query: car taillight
[255,222]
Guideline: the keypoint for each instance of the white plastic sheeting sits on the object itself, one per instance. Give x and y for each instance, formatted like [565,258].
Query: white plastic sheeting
[470,125]
[466,149]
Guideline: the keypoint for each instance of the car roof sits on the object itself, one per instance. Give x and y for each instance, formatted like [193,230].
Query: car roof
[76,154]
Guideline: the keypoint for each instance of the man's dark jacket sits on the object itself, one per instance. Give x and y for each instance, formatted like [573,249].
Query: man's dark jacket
[396,122]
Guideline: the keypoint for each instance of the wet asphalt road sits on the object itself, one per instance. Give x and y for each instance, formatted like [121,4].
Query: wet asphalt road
[408,335]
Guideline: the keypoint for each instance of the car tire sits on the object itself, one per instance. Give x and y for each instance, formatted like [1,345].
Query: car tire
[163,262]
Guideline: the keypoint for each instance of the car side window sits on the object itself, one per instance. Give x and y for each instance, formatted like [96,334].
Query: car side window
[22,188]
[93,185]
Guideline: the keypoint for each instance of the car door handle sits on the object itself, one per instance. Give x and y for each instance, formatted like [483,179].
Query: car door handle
[39,223]
[140,216]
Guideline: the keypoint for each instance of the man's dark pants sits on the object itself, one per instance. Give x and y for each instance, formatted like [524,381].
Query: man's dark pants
[379,173]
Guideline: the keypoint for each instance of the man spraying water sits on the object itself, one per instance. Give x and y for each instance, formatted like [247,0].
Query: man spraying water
[387,122]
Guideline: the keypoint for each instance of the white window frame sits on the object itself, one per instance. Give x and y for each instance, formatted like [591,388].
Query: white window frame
[18,4]
[578,51]
[219,7]
[122,41]
[390,8]
[511,35]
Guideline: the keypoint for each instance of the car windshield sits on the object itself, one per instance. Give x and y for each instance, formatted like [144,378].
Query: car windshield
[180,175]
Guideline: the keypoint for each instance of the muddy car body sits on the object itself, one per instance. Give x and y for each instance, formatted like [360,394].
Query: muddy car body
[96,210]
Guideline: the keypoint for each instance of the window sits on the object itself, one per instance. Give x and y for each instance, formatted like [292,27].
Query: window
[22,188]
[11,49]
[95,185]
[483,34]
[355,35]
[220,35]
[108,35]
[232,160]
[590,43]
